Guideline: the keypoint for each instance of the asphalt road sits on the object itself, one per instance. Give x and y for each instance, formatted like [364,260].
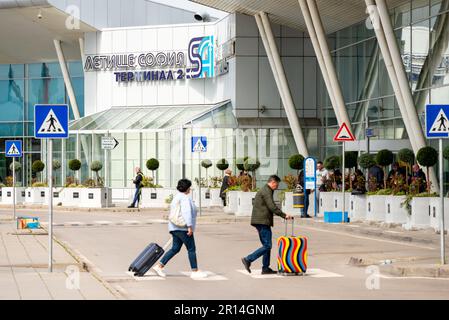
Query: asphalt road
[110,241]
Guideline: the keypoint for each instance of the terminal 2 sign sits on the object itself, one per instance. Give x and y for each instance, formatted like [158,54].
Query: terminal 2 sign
[159,66]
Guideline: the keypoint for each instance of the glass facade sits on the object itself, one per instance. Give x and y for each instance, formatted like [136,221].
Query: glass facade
[21,87]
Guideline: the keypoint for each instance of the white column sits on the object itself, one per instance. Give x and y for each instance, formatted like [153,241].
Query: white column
[67,80]
[318,53]
[334,83]
[283,86]
[410,108]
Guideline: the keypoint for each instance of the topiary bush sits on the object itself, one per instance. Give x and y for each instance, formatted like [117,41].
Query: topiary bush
[332,163]
[367,160]
[96,166]
[350,163]
[74,165]
[222,165]
[427,157]
[446,153]
[17,167]
[252,165]
[240,162]
[152,165]
[296,162]
[206,164]
[37,167]
[385,158]
[56,165]
[408,157]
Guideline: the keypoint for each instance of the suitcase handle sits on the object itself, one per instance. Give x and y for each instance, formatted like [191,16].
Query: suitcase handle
[293,227]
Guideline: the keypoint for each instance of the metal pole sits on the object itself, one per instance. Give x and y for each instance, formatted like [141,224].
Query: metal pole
[343,183]
[50,205]
[14,185]
[367,147]
[199,183]
[442,237]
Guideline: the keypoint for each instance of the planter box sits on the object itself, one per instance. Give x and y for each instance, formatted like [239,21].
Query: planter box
[155,198]
[58,196]
[96,198]
[215,200]
[205,197]
[332,201]
[376,209]
[420,217]
[7,195]
[435,214]
[231,201]
[35,195]
[287,205]
[357,207]
[396,213]
[72,197]
[245,203]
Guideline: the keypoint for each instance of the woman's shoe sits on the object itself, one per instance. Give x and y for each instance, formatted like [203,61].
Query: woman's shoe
[159,271]
[198,275]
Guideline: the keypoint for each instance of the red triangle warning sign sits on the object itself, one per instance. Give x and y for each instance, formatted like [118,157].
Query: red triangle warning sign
[344,134]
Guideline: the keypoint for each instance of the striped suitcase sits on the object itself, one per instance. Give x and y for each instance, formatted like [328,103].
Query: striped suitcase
[292,254]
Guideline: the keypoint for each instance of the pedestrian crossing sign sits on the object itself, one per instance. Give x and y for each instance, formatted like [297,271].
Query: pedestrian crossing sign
[13,148]
[437,121]
[51,121]
[199,144]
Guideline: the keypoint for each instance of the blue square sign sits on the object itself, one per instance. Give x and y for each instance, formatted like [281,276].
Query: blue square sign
[199,144]
[437,121]
[13,148]
[51,121]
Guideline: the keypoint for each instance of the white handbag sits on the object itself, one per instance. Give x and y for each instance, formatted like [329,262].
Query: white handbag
[176,217]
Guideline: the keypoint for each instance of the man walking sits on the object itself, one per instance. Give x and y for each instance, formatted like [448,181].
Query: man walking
[262,219]
[138,182]
[225,185]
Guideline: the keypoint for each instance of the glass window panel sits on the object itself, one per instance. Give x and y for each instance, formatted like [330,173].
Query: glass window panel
[76,69]
[420,10]
[105,118]
[402,15]
[44,91]
[12,71]
[77,125]
[225,117]
[11,129]
[44,70]
[12,100]
[112,122]
[78,88]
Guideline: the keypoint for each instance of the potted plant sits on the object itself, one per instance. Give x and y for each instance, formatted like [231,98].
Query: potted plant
[58,192]
[36,194]
[214,188]
[418,204]
[73,191]
[205,192]
[251,165]
[153,195]
[7,192]
[245,197]
[435,206]
[395,212]
[286,196]
[357,202]
[95,194]
[350,163]
[331,198]
[406,156]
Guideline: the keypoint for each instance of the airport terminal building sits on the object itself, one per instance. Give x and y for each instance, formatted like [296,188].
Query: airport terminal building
[271,79]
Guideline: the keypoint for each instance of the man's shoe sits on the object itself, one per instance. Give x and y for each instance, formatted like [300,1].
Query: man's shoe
[247,264]
[306,217]
[268,271]
[131,206]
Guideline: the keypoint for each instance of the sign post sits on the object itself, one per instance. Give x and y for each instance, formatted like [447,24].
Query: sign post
[199,145]
[51,122]
[13,149]
[343,135]
[437,127]
[310,181]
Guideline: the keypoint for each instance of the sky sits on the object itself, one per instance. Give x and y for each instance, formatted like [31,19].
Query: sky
[188,5]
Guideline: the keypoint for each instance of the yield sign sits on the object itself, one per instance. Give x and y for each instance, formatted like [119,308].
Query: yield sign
[344,134]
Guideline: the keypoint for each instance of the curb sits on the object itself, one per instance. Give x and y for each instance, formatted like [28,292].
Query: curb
[430,271]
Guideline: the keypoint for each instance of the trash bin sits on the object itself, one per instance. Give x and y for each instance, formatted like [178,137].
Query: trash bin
[298,200]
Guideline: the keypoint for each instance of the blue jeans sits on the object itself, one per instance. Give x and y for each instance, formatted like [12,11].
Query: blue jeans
[136,197]
[265,236]
[180,238]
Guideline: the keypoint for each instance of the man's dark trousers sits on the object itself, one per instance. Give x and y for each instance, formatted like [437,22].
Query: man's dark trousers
[265,236]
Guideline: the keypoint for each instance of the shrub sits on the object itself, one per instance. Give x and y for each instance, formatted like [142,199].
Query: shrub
[427,157]
[291,181]
[152,165]
[446,153]
[240,162]
[296,162]
[332,163]
[252,165]
[407,156]
[384,158]
[206,164]
[37,167]
[56,165]
[366,161]
[74,164]
[350,163]
[96,166]
[222,165]
[17,165]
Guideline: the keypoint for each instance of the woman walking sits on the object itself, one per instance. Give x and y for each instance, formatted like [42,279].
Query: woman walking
[182,235]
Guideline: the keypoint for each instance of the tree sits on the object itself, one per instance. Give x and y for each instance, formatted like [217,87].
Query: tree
[240,163]
[17,166]
[332,163]
[74,165]
[56,165]
[37,167]
[296,162]
[252,165]
[350,163]
[366,161]
[96,166]
[408,157]
[427,157]
[385,158]
[222,165]
[206,164]
[152,165]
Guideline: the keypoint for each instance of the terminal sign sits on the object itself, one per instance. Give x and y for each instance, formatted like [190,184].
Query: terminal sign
[109,143]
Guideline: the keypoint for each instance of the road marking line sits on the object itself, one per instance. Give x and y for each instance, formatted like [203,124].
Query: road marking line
[103,222]
[312,273]
[256,274]
[131,222]
[372,239]
[149,276]
[210,276]
[319,273]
